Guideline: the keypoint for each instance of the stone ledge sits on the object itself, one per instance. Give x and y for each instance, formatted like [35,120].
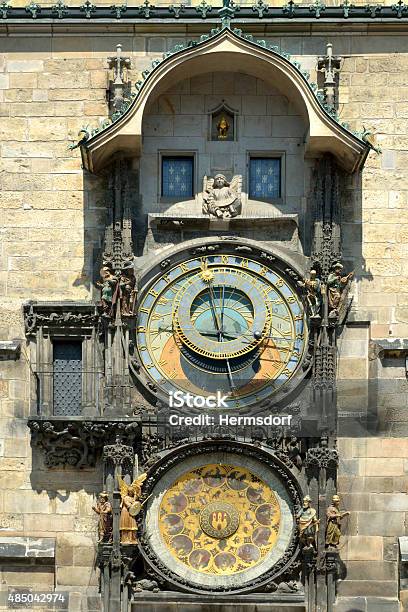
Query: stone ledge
[27,548]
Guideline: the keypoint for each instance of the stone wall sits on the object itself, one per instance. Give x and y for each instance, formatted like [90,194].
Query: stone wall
[52,220]
[266,122]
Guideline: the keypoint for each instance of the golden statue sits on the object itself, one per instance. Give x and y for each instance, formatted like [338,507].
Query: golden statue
[130,508]
[308,523]
[222,128]
[333,526]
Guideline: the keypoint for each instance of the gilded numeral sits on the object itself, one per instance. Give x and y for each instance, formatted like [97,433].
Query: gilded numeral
[263,271]
[153,293]
[162,363]
[279,282]
[183,267]
[287,372]
[166,278]
[291,300]
[163,301]
[141,329]
[149,366]
[299,317]
[224,259]
[146,310]
[172,375]
[244,263]
[143,348]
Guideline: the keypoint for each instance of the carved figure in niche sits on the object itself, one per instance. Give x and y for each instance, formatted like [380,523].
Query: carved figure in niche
[222,128]
[222,199]
[108,285]
[308,524]
[333,525]
[127,291]
[103,508]
[313,288]
[130,508]
[337,286]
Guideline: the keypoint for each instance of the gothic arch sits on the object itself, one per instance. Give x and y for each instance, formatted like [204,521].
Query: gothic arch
[226,50]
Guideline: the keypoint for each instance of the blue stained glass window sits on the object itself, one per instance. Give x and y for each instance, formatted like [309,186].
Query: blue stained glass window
[177,177]
[265,177]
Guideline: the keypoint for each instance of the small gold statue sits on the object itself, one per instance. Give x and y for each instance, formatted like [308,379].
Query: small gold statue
[130,508]
[333,525]
[223,128]
[308,524]
[103,508]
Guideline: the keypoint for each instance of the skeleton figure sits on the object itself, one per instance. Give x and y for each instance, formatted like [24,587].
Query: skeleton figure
[222,199]
[312,285]
[130,508]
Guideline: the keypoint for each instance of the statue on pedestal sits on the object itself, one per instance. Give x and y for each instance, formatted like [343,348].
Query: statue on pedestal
[108,285]
[222,199]
[127,288]
[103,508]
[130,508]
[313,288]
[337,288]
[333,525]
[308,524]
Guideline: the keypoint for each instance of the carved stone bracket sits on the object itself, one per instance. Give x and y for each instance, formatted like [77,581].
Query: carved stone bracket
[77,443]
[118,453]
[322,457]
[58,314]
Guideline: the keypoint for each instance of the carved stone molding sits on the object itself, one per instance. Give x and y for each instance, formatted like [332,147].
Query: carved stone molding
[77,443]
[58,314]
[118,453]
[322,457]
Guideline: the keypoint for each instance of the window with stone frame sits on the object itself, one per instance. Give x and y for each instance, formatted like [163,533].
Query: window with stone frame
[265,178]
[177,176]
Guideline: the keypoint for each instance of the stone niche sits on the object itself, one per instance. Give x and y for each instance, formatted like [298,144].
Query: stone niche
[182,121]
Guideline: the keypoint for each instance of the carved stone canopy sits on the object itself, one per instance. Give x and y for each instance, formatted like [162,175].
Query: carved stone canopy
[225,51]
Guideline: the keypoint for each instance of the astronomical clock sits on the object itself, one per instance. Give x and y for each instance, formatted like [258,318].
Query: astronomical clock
[223,317]
[225,321]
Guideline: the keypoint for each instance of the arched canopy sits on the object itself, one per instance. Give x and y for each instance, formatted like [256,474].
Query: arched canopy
[228,51]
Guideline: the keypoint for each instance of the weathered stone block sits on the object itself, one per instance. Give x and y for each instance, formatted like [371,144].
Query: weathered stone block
[76,576]
[27,548]
[381,523]
[364,548]
[389,466]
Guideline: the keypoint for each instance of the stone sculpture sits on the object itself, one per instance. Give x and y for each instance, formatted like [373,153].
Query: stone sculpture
[336,288]
[130,508]
[222,199]
[103,508]
[308,524]
[333,525]
[312,286]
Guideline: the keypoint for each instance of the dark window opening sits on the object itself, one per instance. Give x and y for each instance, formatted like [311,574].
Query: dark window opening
[67,380]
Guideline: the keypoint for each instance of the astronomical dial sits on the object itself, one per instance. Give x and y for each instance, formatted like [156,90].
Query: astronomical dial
[221,323]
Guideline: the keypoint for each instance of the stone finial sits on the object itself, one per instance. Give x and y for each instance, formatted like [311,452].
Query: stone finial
[329,66]
[118,84]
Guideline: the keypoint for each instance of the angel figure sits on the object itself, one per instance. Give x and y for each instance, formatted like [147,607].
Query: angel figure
[130,508]
[222,199]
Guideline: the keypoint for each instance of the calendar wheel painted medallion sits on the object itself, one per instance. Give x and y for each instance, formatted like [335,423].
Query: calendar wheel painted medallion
[219,520]
[224,323]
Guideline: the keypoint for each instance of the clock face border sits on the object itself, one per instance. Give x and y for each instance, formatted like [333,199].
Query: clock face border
[280,262]
[267,466]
